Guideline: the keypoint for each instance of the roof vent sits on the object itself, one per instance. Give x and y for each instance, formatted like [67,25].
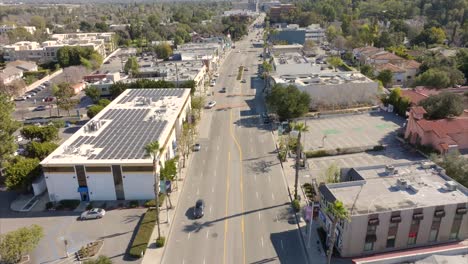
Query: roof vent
[402,183]
[427,164]
[451,186]
[389,169]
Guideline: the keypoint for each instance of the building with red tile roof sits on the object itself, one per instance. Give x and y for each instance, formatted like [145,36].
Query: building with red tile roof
[444,135]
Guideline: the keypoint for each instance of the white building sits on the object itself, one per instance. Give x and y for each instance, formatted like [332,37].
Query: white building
[4,29]
[106,159]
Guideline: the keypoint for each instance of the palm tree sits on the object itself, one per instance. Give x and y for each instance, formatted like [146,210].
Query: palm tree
[300,127]
[152,149]
[339,213]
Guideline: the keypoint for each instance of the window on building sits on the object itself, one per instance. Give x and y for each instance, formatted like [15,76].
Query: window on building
[412,238]
[456,226]
[413,233]
[434,229]
[391,241]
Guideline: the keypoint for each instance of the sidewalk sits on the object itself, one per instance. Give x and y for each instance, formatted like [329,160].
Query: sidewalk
[311,243]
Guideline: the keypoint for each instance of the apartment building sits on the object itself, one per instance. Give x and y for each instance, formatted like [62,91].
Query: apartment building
[106,159]
[4,29]
[103,43]
[395,207]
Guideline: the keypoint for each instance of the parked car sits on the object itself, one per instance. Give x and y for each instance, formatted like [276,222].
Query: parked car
[223,90]
[246,69]
[243,81]
[94,213]
[216,74]
[49,99]
[28,95]
[196,147]
[211,104]
[198,210]
[213,83]
[20,98]
[40,108]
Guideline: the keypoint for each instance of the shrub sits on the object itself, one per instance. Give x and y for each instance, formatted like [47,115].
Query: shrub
[296,205]
[143,235]
[152,203]
[160,241]
[89,206]
[378,148]
[133,204]
[104,205]
[317,154]
[69,204]
[282,155]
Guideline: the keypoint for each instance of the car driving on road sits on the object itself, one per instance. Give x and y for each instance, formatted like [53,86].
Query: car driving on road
[95,213]
[211,104]
[198,210]
[196,147]
[40,108]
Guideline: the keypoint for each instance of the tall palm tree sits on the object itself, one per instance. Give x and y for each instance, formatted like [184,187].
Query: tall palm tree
[300,127]
[153,150]
[339,213]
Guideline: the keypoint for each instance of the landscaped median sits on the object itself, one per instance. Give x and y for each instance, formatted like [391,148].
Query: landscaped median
[143,235]
[240,72]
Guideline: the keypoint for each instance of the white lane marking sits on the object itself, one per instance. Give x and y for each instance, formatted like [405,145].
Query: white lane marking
[198,191]
[217,147]
[256,194]
[207,232]
[183,261]
[282,246]
[188,235]
[212,189]
[204,161]
[251,149]
[262,240]
[211,207]
[259,216]
[255,177]
[251,140]
[272,196]
[204,261]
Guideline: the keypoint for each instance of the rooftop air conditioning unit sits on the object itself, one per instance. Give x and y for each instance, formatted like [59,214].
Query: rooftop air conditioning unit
[389,169]
[451,186]
[402,183]
[427,164]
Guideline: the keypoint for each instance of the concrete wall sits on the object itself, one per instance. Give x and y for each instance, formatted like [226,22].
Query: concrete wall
[138,185]
[39,186]
[62,186]
[100,186]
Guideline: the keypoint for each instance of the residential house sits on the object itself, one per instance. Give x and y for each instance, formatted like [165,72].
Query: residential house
[10,74]
[444,135]
[25,66]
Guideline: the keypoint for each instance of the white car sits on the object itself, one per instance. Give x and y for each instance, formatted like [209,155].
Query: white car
[216,74]
[95,213]
[213,83]
[211,104]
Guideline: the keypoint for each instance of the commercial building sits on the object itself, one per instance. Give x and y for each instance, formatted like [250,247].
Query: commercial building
[326,88]
[395,207]
[106,159]
[445,135]
[103,43]
[293,34]
[102,81]
[4,29]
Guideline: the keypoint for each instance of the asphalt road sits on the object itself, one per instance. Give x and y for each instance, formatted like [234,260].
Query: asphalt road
[247,216]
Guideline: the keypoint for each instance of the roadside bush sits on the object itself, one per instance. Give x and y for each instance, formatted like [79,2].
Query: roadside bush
[317,153]
[152,203]
[49,205]
[68,204]
[143,235]
[133,204]
[89,206]
[160,242]
[296,205]
[378,148]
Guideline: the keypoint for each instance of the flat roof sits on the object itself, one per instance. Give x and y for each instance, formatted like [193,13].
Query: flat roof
[119,133]
[377,190]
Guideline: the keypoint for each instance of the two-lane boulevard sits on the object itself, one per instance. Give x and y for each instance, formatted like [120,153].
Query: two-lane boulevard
[247,215]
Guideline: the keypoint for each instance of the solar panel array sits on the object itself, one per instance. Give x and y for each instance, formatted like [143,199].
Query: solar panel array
[153,94]
[125,137]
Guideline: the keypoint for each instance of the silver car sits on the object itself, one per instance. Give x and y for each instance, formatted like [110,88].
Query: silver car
[94,213]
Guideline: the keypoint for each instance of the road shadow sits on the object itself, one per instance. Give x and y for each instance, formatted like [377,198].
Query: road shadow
[114,235]
[71,130]
[288,247]
[262,166]
[198,225]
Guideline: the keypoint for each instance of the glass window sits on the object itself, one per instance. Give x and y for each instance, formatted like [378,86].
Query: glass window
[456,226]
[433,235]
[390,241]
[412,238]
[368,246]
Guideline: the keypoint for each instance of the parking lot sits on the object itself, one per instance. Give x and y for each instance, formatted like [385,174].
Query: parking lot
[116,228]
[117,61]
[352,130]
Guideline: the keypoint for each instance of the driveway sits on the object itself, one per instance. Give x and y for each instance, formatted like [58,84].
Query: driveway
[116,228]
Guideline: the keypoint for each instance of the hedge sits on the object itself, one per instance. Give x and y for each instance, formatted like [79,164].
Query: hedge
[152,203]
[68,204]
[142,238]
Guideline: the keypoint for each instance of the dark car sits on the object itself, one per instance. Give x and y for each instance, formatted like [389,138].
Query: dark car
[223,90]
[40,108]
[198,210]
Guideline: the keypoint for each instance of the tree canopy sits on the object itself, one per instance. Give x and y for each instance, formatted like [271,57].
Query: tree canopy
[93,92]
[288,102]
[21,172]
[131,66]
[443,105]
[15,244]
[42,134]
[76,55]
[7,127]
[40,150]
[386,77]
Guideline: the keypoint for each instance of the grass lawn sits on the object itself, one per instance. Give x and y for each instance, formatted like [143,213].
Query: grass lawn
[145,229]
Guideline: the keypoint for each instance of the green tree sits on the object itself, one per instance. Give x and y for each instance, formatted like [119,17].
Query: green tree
[76,55]
[300,128]
[386,77]
[43,134]
[104,102]
[433,78]
[131,66]
[331,33]
[462,60]
[99,260]
[19,34]
[455,165]
[93,92]
[332,174]
[169,171]
[288,102]
[94,110]
[368,71]
[15,244]
[429,36]
[64,96]
[7,127]
[40,150]
[21,172]
[338,213]
[198,103]
[153,150]
[335,62]
[443,105]
[163,51]
[38,22]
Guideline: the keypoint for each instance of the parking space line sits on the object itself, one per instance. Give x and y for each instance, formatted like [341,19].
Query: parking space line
[272,196]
